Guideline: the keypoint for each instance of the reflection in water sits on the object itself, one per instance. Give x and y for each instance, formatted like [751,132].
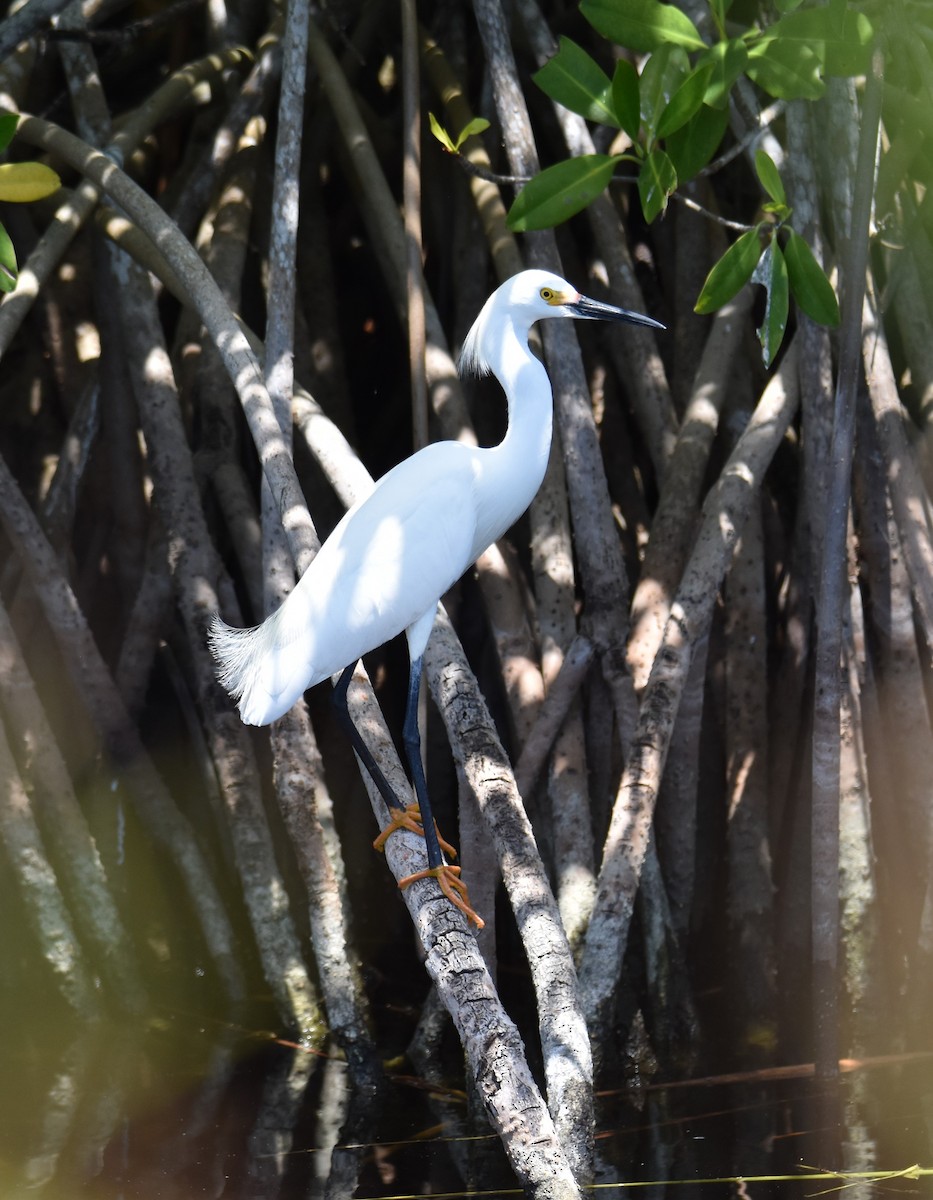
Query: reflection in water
[181,1109]
[198,1096]
[874,1119]
[178,1110]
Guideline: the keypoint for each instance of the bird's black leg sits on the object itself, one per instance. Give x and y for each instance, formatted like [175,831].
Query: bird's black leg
[416,817]
[448,877]
[342,710]
[411,736]
[404,816]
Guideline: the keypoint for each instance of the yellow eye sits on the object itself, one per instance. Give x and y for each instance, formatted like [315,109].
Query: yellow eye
[547,294]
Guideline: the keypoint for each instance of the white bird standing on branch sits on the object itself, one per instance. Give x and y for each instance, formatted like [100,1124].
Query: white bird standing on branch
[396,552]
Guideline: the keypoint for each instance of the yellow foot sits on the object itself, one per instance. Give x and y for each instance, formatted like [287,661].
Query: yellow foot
[452,886]
[410,818]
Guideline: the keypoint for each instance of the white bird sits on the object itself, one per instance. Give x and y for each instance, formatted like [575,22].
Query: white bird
[397,551]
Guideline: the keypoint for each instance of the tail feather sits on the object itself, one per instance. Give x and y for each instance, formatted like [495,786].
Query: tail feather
[262,678]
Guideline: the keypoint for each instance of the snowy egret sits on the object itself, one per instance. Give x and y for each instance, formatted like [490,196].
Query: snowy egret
[397,551]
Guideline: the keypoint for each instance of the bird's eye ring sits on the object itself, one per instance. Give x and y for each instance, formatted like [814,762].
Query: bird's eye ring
[547,294]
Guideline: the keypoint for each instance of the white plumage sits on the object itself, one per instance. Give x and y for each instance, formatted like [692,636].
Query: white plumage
[395,553]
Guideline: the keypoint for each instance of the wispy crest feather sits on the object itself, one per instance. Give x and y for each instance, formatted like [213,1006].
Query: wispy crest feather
[472,361]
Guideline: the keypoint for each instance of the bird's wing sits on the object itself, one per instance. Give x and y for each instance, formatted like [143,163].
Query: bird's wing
[386,564]
[395,556]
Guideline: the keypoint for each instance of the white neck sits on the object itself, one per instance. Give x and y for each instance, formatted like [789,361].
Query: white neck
[511,472]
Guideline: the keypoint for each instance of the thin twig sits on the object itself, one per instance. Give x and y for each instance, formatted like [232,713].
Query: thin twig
[766,119]
[481,172]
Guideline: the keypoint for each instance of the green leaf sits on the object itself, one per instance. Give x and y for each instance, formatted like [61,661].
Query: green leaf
[8,268]
[731,273]
[561,191]
[642,25]
[661,76]
[685,101]
[839,36]
[772,273]
[769,177]
[808,283]
[575,80]
[8,123]
[692,146]
[625,100]
[729,59]
[656,180]
[477,125]
[441,134]
[786,70]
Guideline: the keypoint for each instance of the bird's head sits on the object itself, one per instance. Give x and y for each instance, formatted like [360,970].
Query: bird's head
[524,299]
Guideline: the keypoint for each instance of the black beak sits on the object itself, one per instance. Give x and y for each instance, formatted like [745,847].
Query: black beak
[596,310]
